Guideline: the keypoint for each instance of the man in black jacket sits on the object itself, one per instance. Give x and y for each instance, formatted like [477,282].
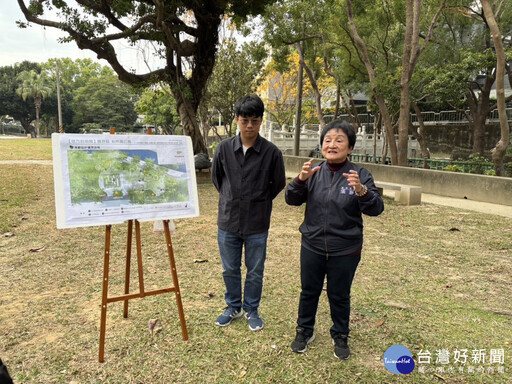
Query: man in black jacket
[248,171]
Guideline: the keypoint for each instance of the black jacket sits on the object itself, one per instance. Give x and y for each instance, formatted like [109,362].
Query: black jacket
[333,224]
[247,184]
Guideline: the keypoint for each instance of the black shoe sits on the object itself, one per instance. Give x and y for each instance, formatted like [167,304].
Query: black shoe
[341,349]
[301,342]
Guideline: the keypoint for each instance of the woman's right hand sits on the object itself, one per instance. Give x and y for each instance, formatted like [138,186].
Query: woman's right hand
[308,170]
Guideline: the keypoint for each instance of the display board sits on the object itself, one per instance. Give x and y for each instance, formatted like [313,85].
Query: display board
[108,179]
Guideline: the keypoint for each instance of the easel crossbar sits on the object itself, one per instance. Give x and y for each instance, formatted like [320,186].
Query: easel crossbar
[137,295]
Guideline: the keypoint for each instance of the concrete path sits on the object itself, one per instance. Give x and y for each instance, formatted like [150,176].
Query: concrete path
[470,205]
[14,162]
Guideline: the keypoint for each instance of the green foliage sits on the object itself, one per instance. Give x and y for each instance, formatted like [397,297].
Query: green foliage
[453,168]
[213,146]
[475,164]
[235,75]
[105,101]
[10,102]
[478,164]
[158,108]
[34,85]
[448,82]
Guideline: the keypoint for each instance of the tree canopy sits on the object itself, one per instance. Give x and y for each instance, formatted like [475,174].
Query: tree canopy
[105,102]
[184,34]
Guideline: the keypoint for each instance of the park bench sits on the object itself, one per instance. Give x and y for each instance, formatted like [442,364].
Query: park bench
[405,194]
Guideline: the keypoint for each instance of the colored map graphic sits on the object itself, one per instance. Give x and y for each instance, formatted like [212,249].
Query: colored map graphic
[115,178]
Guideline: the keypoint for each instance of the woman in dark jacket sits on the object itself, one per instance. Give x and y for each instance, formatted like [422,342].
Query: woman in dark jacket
[336,193]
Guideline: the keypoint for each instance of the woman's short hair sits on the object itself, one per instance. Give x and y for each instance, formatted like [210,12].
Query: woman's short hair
[345,126]
[249,106]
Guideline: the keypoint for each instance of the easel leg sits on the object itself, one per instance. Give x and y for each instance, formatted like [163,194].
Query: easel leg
[139,258]
[128,260]
[105,293]
[175,280]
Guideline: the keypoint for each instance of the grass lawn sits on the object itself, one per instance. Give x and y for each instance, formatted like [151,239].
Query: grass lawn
[25,149]
[431,278]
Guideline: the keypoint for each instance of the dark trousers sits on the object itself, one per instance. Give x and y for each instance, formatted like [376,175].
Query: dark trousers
[340,272]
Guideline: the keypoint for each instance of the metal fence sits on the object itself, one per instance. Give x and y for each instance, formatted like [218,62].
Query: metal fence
[431,118]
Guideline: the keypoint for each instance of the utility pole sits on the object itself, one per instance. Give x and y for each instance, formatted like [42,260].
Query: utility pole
[61,129]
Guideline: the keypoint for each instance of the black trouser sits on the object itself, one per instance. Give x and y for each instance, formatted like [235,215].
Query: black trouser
[340,272]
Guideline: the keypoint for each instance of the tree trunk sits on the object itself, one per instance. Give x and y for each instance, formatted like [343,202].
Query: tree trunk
[420,136]
[379,98]
[388,126]
[498,152]
[354,109]
[376,129]
[37,121]
[479,107]
[298,106]
[191,125]
[314,85]
[404,117]
[412,52]
[338,94]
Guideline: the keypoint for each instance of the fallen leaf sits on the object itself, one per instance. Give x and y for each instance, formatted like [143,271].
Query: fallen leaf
[379,323]
[154,326]
[40,249]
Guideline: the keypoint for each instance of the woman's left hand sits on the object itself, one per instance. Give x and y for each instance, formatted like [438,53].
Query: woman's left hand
[353,180]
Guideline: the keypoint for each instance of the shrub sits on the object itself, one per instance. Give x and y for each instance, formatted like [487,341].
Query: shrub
[453,168]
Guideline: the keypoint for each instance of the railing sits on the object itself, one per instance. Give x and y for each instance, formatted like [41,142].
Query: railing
[431,118]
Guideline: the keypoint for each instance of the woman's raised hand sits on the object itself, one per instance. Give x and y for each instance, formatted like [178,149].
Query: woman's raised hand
[308,170]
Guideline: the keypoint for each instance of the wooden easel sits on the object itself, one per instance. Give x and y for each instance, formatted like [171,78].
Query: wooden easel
[142,293]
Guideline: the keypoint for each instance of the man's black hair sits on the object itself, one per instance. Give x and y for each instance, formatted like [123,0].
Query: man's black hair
[345,126]
[249,106]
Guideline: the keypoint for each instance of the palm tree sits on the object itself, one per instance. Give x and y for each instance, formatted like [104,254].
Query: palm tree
[37,86]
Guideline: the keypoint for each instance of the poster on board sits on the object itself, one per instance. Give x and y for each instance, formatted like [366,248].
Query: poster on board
[109,179]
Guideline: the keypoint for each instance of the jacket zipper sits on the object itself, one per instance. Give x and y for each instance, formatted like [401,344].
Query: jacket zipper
[325,214]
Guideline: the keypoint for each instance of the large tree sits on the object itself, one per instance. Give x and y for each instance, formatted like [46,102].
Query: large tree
[184,34]
[10,102]
[105,102]
[73,74]
[34,86]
